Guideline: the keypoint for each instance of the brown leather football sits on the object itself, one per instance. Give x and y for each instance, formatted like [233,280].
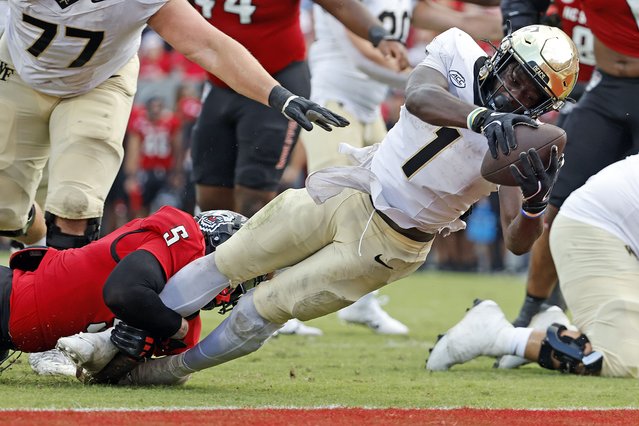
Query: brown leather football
[541,138]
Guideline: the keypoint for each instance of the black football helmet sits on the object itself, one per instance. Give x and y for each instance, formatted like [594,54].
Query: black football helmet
[218,225]
[546,54]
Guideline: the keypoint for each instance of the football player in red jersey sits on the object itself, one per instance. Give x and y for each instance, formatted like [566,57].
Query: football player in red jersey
[240,148]
[603,126]
[47,294]
[153,158]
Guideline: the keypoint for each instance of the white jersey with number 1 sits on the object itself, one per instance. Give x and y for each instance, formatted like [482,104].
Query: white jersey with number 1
[68,47]
[422,176]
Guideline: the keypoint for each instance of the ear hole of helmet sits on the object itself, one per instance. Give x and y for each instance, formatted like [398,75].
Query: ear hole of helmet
[217,226]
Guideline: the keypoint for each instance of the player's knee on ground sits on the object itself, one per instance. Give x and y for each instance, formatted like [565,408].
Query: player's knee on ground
[569,352]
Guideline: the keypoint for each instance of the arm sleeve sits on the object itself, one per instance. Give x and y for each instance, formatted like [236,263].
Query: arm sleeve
[132,293]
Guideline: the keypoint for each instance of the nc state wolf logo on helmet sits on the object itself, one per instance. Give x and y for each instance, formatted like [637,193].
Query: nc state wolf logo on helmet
[218,225]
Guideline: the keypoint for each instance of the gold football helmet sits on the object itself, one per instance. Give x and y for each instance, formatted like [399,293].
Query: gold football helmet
[548,56]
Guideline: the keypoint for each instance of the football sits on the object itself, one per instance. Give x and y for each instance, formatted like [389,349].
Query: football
[542,138]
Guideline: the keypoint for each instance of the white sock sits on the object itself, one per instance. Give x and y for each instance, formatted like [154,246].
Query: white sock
[519,340]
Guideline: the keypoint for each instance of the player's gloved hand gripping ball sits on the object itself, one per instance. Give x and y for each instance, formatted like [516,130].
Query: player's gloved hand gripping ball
[499,128]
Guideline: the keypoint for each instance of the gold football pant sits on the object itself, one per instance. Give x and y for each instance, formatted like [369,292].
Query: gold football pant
[322,147]
[599,278]
[334,253]
[81,136]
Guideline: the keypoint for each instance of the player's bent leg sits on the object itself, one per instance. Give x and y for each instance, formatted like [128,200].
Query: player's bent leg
[569,352]
[33,232]
[540,322]
[243,332]
[71,233]
[483,331]
[599,282]
[86,134]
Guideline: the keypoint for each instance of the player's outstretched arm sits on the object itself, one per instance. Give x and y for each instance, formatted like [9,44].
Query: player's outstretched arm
[189,33]
[358,19]
[428,98]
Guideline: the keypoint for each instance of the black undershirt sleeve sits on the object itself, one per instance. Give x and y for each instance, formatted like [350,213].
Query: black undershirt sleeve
[132,292]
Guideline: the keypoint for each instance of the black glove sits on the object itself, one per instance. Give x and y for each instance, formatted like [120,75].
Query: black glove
[133,341]
[499,128]
[535,181]
[303,111]
[522,13]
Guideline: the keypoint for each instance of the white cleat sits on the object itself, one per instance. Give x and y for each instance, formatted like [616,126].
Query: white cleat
[478,333]
[368,311]
[541,322]
[51,363]
[295,326]
[90,351]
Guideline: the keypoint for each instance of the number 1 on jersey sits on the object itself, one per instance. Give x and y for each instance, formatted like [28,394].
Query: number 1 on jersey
[445,137]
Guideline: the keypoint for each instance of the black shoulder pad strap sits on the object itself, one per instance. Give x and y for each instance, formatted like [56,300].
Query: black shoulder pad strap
[27,259]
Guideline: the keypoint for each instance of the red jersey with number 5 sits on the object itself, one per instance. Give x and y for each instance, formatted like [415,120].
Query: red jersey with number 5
[63,296]
[269,29]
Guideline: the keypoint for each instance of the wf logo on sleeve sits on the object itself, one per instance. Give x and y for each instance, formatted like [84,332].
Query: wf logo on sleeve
[5,71]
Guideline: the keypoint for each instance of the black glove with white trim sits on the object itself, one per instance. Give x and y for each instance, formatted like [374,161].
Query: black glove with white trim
[303,111]
[535,180]
[499,128]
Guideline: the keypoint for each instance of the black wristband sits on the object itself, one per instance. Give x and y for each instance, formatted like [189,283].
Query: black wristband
[534,208]
[278,97]
[376,34]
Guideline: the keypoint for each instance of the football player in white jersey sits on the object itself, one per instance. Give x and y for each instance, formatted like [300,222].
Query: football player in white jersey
[68,71]
[4,10]
[355,229]
[352,78]
[594,242]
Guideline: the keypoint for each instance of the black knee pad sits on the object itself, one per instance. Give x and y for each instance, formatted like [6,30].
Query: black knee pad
[61,241]
[569,352]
